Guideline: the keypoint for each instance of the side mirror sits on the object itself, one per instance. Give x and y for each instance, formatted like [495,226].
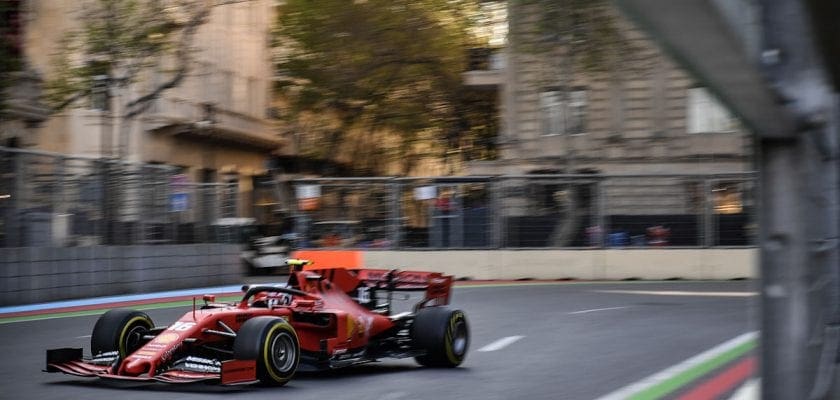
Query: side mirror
[209,298]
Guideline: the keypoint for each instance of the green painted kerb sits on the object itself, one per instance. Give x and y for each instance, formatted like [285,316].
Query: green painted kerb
[686,377]
[152,306]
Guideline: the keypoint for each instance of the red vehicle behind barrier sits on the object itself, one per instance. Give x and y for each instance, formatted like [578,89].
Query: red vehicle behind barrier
[320,319]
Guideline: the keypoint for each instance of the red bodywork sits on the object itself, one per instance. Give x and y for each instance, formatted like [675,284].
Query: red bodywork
[334,329]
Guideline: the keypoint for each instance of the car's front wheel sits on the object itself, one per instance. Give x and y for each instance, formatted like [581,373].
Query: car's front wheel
[273,343]
[120,330]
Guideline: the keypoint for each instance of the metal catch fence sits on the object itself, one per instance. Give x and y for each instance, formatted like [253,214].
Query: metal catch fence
[528,211]
[47,199]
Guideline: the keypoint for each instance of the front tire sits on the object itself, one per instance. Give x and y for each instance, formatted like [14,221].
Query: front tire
[120,330]
[273,343]
[443,334]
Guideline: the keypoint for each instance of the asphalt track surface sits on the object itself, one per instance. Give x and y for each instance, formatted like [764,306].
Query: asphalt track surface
[547,341]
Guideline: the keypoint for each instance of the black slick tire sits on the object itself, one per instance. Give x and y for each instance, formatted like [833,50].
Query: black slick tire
[273,343]
[443,334]
[120,330]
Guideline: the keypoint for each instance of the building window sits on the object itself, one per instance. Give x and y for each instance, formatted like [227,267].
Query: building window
[563,114]
[492,22]
[705,114]
[723,198]
[727,198]
[254,97]
[11,33]
[99,96]
[225,94]
[230,193]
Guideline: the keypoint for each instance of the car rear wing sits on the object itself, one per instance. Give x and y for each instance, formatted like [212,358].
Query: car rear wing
[436,285]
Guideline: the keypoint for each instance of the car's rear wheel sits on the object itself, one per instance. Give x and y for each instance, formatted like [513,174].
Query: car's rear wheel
[273,343]
[443,334]
[120,330]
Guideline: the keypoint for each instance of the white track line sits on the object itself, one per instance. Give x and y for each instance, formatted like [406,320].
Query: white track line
[83,337]
[652,380]
[394,396]
[748,391]
[681,293]
[501,343]
[597,309]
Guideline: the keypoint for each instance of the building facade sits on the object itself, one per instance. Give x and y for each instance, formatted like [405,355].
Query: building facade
[21,110]
[214,125]
[644,115]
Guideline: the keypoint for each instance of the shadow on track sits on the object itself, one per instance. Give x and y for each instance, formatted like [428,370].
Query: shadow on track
[107,385]
[351,372]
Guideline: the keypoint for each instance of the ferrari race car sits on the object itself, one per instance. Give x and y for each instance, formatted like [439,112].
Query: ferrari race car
[320,319]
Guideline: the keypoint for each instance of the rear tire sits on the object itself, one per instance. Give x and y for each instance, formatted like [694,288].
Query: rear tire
[273,343]
[443,334]
[120,330]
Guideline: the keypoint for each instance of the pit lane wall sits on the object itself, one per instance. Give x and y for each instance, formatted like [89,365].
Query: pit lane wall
[41,274]
[613,264]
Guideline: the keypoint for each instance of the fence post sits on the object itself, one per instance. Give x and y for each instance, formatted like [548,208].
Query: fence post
[708,214]
[17,236]
[601,208]
[497,208]
[59,206]
[456,220]
[396,222]
[104,229]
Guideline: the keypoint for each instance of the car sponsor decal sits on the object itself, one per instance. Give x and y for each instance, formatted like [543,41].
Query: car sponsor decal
[166,338]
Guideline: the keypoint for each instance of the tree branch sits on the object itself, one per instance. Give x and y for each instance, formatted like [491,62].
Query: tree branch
[142,103]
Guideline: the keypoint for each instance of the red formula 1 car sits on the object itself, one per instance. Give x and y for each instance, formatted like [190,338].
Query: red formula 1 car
[320,319]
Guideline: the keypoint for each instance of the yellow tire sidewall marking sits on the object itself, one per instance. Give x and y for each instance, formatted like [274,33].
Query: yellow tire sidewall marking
[121,344]
[266,351]
[450,328]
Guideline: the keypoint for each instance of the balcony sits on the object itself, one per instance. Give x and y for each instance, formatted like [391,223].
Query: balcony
[486,68]
[22,98]
[206,121]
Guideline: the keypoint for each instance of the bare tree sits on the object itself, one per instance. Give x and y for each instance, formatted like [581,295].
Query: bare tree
[119,42]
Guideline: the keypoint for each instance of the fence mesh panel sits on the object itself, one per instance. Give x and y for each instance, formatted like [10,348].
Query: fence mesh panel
[54,200]
[533,211]
[50,199]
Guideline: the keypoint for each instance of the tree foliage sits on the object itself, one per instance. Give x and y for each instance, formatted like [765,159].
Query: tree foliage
[116,41]
[589,31]
[381,65]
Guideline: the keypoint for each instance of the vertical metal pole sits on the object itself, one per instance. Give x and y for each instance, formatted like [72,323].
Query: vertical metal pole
[434,225]
[708,214]
[602,214]
[799,213]
[784,218]
[395,214]
[456,217]
[494,211]
[17,230]
[824,257]
[105,229]
[59,203]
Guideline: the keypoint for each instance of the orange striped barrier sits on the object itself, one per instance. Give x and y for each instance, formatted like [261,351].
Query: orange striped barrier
[350,259]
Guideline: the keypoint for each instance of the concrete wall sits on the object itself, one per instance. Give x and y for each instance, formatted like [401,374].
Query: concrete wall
[576,264]
[38,274]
